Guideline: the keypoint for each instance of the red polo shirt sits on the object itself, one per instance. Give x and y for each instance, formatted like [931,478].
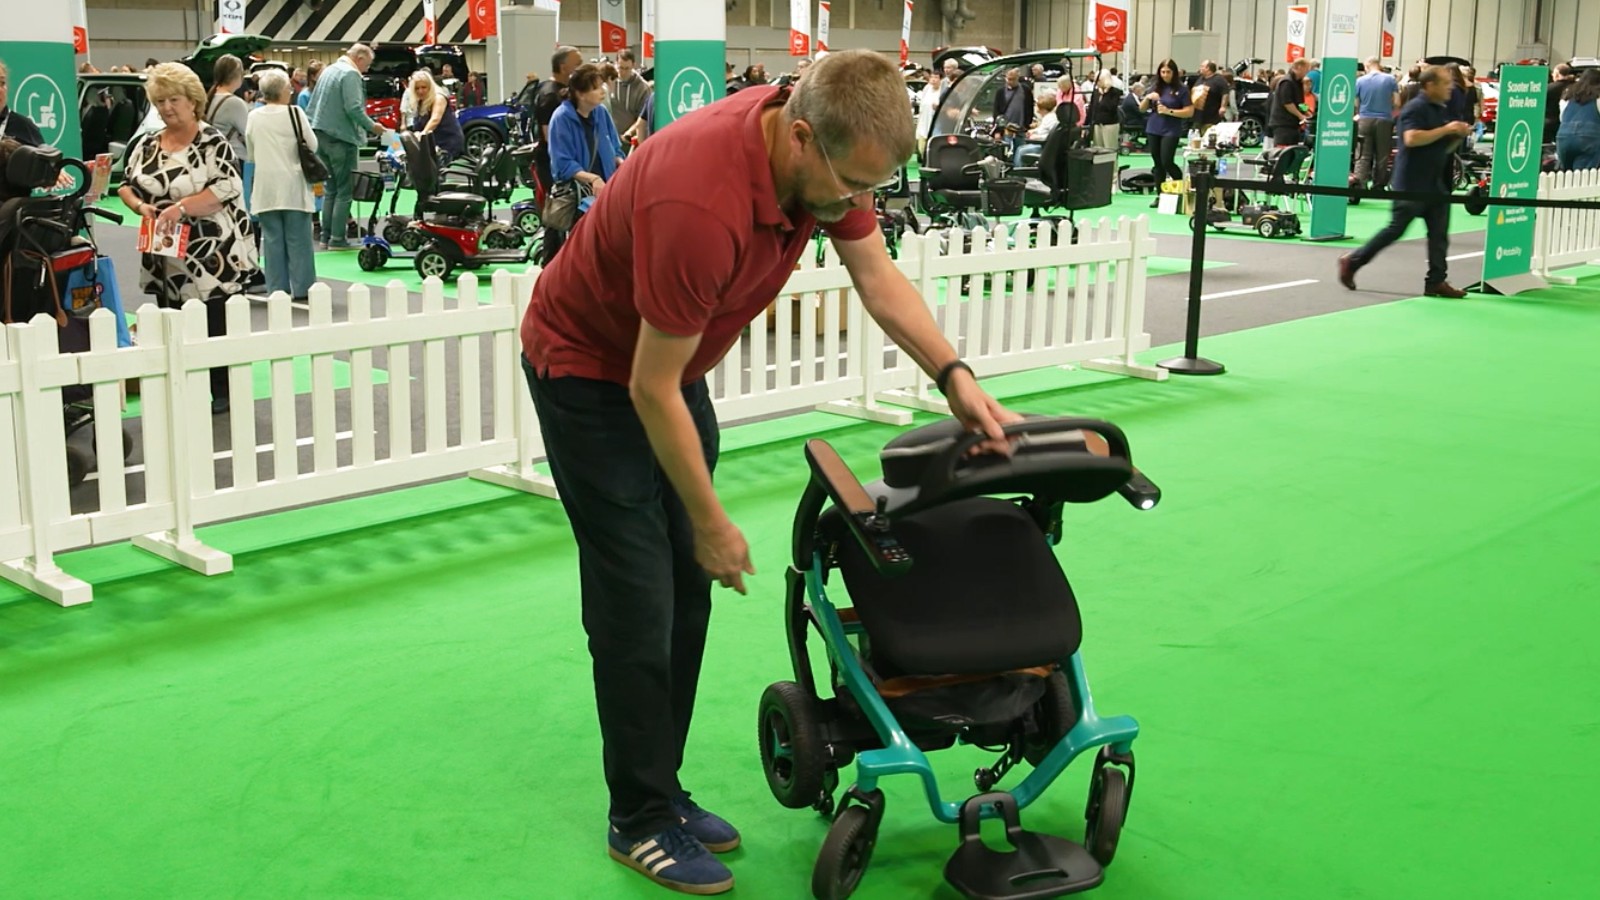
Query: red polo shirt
[687,236]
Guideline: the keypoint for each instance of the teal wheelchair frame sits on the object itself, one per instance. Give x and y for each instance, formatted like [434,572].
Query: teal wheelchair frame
[806,739]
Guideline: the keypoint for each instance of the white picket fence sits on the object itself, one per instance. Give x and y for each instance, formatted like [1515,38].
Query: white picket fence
[1019,301]
[1566,237]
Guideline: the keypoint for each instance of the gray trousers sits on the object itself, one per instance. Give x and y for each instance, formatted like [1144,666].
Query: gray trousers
[1374,141]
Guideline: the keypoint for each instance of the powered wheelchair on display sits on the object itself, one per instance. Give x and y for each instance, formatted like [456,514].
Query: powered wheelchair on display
[962,628]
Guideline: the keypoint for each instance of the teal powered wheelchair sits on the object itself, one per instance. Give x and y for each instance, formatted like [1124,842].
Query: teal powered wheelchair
[963,628]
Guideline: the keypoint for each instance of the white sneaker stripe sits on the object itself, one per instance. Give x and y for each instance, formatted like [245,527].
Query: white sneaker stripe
[642,848]
[651,857]
[656,867]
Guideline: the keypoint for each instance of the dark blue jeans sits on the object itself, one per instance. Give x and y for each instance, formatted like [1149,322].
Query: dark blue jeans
[646,602]
[1437,217]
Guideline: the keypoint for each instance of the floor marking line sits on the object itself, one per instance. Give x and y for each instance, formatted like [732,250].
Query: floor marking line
[1256,290]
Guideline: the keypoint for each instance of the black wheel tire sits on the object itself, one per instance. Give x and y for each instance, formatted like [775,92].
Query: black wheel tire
[411,239]
[127,445]
[503,239]
[1477,200]
[1054,714]
[394,229]
[481,137]
[1250,132]
[792,754]
[79,462]
[432,262]
[371,258]
[1267,228]
[845,854]
[528,221]
[1108,809]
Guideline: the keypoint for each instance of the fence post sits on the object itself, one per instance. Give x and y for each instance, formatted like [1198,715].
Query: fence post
[511,393]
[1133,274]
[180,545]
[40,450]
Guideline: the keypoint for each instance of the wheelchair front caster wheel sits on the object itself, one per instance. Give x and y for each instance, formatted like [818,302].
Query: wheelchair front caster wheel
[845,854]
[792,753]
[1108,809]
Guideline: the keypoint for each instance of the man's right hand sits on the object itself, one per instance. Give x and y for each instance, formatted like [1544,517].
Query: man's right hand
[721,550]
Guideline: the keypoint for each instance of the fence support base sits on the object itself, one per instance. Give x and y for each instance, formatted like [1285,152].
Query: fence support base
[916,401]
[47,581]
[512,477]
[856,409]
[1123,367]
[186,551]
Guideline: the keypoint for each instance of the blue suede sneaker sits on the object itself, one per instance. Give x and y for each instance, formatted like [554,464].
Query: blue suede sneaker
[709,828]
[673,859]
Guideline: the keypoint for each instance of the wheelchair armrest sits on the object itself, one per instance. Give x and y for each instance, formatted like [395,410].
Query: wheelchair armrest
[1025,172]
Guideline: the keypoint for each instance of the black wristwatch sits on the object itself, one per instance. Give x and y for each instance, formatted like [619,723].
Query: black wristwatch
[942,380]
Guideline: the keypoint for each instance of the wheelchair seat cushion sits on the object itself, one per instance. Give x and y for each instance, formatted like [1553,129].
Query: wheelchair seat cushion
[985,594]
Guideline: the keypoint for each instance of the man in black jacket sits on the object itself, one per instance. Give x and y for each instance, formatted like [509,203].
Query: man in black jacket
[1288,113]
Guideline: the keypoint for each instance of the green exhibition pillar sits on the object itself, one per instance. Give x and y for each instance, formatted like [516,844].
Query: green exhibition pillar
[36,47]
[1518,131]
[1336,129]
[690,47]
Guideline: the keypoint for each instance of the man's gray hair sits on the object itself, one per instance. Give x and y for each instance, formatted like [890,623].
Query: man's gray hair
[852,95]
[274,85]
[360,52]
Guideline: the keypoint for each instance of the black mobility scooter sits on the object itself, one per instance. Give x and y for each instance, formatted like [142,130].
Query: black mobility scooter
[964,629]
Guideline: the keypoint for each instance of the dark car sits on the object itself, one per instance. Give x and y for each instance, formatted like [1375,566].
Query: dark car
[110,129]
[245,46]
[391,71]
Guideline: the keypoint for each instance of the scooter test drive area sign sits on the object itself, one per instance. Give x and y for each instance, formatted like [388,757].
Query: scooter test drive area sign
[1508,243]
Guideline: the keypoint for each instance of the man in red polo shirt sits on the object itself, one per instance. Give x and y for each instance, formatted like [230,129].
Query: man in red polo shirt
[691,240]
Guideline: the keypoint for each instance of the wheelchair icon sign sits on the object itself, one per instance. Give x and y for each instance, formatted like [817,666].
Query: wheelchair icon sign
[690,90]
[41,100]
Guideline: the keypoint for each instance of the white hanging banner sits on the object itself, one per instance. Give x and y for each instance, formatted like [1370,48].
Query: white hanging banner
[1391,27]
[799,27]
[647,39]
[613,26]
[824,8]
[1108,25]
[430,25]
[1344,21]
[1299,25]
[905,34]
[230,16]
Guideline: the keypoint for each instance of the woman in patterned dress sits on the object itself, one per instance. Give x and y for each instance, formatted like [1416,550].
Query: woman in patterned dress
[188,172]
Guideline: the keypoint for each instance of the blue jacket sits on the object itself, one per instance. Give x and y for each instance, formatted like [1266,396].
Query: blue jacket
[569,142]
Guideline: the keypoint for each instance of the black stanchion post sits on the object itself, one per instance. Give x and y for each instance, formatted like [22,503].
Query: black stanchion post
[1201,170]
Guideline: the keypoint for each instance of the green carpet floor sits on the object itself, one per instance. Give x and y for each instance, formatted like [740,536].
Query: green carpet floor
[1358,634]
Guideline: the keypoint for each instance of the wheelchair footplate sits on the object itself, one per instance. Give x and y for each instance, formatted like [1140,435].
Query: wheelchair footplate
[1038,865]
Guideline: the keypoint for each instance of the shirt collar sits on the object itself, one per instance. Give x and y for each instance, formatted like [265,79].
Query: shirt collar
[764,194]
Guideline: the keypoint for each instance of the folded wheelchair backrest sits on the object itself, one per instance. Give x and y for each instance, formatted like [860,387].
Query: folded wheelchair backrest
[27,168]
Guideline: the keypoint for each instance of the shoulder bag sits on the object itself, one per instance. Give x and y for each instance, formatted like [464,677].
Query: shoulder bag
[311,165]
[561,208]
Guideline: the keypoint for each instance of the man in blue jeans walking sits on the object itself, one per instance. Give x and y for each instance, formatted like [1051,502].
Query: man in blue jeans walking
[338,113]
[1423,166]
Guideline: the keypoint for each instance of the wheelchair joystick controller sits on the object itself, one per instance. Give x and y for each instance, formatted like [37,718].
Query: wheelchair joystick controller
[868,519]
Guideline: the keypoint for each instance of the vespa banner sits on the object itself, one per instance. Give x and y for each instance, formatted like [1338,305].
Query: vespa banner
[1508,242]
[905,33]
[1299,26]
[1108,25]
[647,39]
[230,16]
[799,27]
[1391,28]
[824,10]
[613,26]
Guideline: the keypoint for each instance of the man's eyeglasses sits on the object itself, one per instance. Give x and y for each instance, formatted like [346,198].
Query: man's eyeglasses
[887,183]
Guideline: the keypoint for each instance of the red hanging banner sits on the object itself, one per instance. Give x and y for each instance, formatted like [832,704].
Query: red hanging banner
[483,19]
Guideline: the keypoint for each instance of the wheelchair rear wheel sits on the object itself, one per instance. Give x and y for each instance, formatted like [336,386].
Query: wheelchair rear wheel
[845,854]
[792,754]
[1108,809]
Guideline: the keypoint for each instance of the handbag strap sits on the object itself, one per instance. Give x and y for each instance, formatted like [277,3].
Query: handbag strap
[294,119]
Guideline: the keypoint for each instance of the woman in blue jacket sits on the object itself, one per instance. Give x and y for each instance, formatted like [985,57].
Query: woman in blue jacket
[584,144]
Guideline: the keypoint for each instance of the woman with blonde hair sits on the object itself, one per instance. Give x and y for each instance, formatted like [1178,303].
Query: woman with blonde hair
[186,173]
[428,110]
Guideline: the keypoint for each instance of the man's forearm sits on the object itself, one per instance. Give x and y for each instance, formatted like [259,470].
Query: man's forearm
[907,322]
[676,442]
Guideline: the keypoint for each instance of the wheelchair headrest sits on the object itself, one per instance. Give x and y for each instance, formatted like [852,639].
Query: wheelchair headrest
[26,168]
[1050,458]
[422,167]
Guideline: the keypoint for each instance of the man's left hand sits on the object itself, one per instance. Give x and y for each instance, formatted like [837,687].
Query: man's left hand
[979,412]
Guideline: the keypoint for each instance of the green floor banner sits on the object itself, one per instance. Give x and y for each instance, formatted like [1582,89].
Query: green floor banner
[1519,131]
[1335,137]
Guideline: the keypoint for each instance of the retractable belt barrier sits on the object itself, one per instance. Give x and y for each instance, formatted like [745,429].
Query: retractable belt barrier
[1203,180]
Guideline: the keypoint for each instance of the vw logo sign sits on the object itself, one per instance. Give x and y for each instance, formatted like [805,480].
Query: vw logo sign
[1297,28]
[690,89]
[38,98]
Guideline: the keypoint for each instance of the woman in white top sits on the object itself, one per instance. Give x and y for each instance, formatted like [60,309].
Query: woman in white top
[927,105]
[283,200]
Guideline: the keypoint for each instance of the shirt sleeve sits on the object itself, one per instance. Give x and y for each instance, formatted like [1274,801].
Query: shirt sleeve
[1409,120]
[683,262]
[857,224]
